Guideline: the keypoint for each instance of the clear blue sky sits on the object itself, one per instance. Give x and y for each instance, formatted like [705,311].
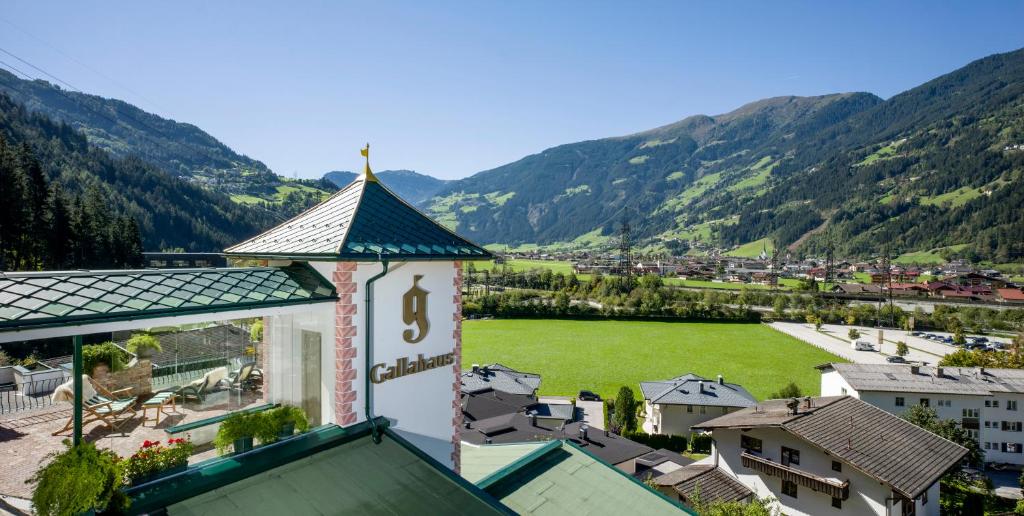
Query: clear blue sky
[451,89]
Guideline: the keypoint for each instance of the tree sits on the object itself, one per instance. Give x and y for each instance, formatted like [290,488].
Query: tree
[625,410]
[958,337]
[902,349]
[926,418]
[779,306]
[853,334]
[790,390]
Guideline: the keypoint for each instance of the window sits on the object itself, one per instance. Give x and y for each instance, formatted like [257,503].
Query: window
[988,445]
[789,488]
[751,444]
[1011,447]
[899,401]
[995,403]
[1012,426]
[689,408]
[924,498]
[988,403]
[842,390]
[987,425]
[837,466]
[703,410]
[790,456]
[971,412]
[837,503]
[925,402]
[1011,404]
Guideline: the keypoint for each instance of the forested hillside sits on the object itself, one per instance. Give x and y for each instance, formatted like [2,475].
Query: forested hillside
[937,167]
[169,212]
[180,149]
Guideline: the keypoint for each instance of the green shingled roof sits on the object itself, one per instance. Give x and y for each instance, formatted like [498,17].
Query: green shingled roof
[561,478]
[363,221]
[42,299]
[353,477]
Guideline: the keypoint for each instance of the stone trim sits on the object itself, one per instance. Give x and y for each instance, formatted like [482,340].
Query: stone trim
[457,370]
[344,347]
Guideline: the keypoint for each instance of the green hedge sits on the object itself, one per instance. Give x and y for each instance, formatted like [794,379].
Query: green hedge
[676,443]
[700,443]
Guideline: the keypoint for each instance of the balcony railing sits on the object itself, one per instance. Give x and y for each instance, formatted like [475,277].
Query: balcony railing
[831,487]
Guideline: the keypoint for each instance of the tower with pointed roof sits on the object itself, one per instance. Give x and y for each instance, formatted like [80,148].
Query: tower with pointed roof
[374,248]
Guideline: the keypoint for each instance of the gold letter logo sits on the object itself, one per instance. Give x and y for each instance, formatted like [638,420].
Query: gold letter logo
[414,310]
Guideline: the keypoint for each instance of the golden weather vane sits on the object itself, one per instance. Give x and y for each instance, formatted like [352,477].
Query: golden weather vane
[367,174]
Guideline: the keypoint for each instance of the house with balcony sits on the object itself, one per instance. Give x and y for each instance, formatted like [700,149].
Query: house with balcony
[673,406]
[984,401]
[830,455]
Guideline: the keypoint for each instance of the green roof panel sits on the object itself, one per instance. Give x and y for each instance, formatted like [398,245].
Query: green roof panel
[43,299]
[362,222]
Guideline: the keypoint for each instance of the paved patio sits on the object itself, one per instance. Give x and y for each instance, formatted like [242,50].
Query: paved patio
[25,437]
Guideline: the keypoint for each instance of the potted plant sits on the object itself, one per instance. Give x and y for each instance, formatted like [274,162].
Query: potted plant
[237,432]
[153,460]
[80,479]
[143,345]
[287,419]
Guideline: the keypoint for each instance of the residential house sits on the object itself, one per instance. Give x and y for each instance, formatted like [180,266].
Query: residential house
[673,406]
[986,402]
[704,482]
[825,455]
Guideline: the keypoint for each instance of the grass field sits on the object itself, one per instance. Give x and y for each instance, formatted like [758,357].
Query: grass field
[605,355]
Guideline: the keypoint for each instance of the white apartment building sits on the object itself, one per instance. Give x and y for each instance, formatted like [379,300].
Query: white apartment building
[986,402]
[673,406]
[832,455]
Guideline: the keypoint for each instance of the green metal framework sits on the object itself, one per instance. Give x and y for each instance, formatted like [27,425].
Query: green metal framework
[46,299]
[363,222]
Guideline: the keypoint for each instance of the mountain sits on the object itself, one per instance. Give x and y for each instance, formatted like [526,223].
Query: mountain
[411,186]
[938,167]
[180,149]
[169,212]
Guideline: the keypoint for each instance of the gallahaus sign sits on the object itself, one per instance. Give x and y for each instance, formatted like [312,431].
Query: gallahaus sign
[381,373]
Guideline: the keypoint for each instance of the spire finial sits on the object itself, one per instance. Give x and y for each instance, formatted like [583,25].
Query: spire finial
[367,174]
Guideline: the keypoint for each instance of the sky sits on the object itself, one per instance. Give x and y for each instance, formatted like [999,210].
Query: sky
[451,89]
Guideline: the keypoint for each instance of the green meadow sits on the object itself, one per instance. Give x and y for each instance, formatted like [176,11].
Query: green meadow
[603,355]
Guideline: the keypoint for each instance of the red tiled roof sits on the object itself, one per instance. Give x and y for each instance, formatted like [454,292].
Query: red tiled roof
[1011,294]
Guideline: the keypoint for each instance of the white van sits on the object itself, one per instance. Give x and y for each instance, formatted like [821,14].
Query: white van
[862,345]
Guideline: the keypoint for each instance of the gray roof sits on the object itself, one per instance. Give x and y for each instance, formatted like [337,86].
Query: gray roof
[687,390]
[881,445]
[499,378]
[363,221]
[487,404]
[562,411]
[712,483]
[971,381]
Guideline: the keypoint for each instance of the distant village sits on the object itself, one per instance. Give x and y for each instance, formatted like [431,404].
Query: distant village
[954,281]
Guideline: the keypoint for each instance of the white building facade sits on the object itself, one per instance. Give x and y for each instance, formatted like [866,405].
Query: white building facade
[985,402]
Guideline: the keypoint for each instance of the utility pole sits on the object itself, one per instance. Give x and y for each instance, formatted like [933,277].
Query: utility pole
[773,278]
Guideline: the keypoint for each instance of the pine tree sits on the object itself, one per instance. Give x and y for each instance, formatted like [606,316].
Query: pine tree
[60,238]
[38,194]
[14,215]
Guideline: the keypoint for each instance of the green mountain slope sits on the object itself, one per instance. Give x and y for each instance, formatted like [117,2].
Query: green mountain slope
[180,149]
[170,213]
[409,185]
[935,166]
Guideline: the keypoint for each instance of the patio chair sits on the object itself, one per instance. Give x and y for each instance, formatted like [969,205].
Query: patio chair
[198,389]
[244,378]
[113,408]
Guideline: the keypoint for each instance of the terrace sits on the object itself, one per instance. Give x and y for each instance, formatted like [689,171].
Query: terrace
[214,328]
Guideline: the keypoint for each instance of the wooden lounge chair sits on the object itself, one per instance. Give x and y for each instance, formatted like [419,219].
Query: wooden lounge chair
[159,402]
[113,408]
[196,390]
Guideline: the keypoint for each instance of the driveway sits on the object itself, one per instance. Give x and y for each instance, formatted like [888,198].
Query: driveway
[593,413]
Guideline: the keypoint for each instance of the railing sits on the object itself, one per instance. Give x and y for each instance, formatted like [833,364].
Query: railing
[834,488]
[27,396]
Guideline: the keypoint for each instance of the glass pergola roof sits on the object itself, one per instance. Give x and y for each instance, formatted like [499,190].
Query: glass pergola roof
[362,222]
[41,299]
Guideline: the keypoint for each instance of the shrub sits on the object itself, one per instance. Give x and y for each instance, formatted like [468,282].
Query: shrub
[791,390]
[5,359]
[625,410]
[902,349]
[853,334]
[700,443]
[141,343]
[256,331]
[288,414]
[77,480]
[676,443]
[239,425]
[106,353]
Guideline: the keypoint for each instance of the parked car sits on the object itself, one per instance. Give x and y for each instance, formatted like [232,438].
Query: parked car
[588,396]
[916,333]
[862,345]
[896,359]
[981,339]
[975,346]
